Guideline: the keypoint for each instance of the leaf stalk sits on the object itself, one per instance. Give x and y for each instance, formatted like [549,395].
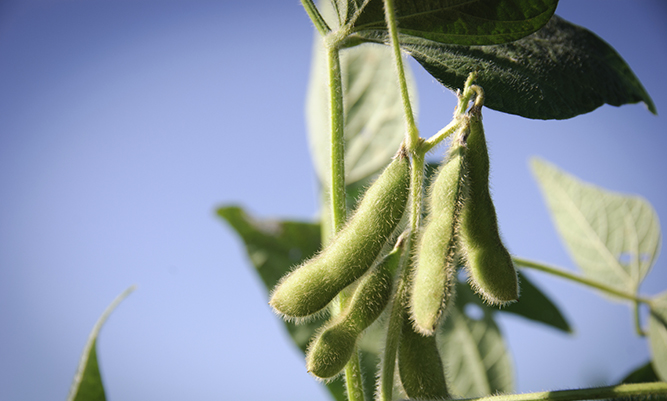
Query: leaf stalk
[595,393]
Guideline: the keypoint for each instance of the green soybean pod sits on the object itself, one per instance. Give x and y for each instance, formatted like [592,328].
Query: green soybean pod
[490,268]
[332,347]
[310,287]
[435,265]
[420,366]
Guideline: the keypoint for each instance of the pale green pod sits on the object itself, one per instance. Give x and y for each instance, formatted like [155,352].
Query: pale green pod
[310,287]
[490,268]
[332,347]
[420,366]
[435,265]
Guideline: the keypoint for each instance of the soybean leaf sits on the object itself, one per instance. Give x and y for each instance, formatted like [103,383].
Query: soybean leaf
[657,332]
[273,248]
[87,384]
[374,120]
[476,356]
[614,238]
[558,72]
[643,374]
[533,304]
[463,22]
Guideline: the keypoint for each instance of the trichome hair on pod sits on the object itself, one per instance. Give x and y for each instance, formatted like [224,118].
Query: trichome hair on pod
[310,287]
[419,365]
[491,271]
[434,272]
[333,345]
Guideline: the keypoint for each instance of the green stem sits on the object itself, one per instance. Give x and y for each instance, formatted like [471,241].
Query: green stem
[582,280]
[596,393]
[638,324]
[412,134]
[441,135]
[316,17]
[353,380]
[337,184]
[385,387]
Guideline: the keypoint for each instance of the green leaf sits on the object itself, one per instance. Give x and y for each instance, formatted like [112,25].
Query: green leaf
[533,304]
[657,332]
[374,120]
[643,374]
[558,72]
[614,238]
[463,22]
[474,351]
[87,384]
[273,248]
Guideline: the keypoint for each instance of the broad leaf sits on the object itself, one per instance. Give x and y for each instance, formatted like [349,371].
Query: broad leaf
[273,248]
[657,332]
[474,351]
[643,374]
[558,72]
[374,120]
[463,22]
[613,238]
[87,384]
[533,304]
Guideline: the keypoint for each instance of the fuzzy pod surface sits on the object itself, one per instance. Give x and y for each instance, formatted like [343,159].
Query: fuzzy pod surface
[332,348]
[420,366]
[435,262]
[310,287]
[490,268]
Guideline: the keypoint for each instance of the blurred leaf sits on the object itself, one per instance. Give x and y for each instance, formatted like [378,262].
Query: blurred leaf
[473,349]
[657,332]
[643,374]
[274,247]
[87,384]
[613,238]
[533,304]
[558,72]
[463,22]
[374,120]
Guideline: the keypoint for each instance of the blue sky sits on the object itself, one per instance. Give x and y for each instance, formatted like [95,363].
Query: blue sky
[124,124]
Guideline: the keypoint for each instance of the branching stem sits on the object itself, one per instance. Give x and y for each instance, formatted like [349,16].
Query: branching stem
[316,17]
[581,280]
[595,393]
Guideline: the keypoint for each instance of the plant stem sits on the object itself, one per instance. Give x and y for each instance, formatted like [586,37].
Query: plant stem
[638,324]
[596,393]
[412,134]
[582,280]
[316,17]
[441,135]
[353,381]
[337,184]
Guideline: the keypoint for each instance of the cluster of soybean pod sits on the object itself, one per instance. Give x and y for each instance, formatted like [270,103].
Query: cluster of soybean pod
[460,230]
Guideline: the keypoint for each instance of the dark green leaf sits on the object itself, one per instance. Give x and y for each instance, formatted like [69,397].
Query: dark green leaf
[533,304]
[273,248]
[558,72]
[87,384]
[614,238]
[657,332]
[643,374]
[463,22]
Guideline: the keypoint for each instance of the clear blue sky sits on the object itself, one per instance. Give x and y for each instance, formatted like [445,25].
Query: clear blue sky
[124,124]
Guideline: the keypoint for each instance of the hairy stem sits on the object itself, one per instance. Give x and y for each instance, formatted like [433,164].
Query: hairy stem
[581,280]
[595,393]
[412,134]
[316,17]
[337,184]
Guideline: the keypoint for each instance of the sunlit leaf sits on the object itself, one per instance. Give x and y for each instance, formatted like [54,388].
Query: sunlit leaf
[464,22]
[473,349]
[558,72]
[614,238]
[273,248]
[374,119]
[87,384]
[657,332]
